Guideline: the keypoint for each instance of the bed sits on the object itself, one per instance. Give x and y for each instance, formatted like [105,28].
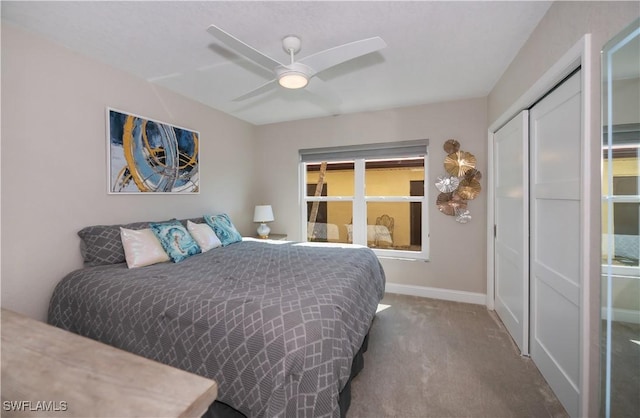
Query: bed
[279,325]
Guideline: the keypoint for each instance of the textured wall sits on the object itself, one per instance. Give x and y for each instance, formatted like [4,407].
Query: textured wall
[458,252]
[54,172]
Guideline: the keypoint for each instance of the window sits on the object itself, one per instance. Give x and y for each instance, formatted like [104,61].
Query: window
[371,195]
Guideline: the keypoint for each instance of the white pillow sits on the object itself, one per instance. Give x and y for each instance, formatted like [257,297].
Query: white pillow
[204,236]
[142,248]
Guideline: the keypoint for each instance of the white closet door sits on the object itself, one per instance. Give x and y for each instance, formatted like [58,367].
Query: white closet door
[555,132]
[511,240]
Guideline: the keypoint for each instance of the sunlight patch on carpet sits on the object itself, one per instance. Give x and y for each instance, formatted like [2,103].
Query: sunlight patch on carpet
[382,307]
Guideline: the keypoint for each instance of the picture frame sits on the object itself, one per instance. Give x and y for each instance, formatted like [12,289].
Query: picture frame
[148,156]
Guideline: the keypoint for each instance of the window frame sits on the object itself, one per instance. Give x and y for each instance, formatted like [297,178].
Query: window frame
[360,200]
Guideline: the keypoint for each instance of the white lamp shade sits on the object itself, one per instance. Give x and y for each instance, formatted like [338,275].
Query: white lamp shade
[263,213]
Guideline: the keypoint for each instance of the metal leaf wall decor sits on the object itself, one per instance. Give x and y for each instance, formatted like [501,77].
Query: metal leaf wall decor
[447,184]
[460,185]
[458,163]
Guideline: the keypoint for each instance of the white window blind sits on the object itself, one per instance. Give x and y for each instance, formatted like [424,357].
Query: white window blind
[366,151]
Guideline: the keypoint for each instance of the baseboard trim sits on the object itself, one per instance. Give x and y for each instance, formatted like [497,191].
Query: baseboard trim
[623,315]
[437,293]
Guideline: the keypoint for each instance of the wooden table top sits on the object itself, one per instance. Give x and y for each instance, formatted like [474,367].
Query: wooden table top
[47,371]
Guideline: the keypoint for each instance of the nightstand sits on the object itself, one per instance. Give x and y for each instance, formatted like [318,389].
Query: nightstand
[277,237]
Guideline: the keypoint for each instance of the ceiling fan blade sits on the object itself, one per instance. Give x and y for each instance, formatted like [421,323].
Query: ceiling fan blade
[257,91]
[339,54]
[324,96]
[243,49]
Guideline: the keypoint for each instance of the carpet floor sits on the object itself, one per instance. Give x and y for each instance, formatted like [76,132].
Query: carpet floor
[625,369]
[434,358]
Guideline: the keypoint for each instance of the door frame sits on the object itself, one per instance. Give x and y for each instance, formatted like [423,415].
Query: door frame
[415,211]
[579,55]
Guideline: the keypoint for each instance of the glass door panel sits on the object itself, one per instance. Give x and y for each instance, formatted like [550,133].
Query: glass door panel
[620,292]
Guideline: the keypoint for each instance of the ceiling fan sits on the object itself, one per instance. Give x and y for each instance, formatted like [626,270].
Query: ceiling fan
[296,74]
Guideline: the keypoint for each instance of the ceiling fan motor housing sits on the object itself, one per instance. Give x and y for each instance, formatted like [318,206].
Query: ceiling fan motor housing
[291,44]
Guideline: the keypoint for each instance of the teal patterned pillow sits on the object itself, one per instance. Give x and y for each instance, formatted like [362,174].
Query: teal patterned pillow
[224,228]
[175,239]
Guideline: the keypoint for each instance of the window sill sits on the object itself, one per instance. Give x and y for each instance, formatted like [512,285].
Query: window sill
[400,255]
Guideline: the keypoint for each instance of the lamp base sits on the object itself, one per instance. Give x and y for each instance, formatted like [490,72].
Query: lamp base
[263,231]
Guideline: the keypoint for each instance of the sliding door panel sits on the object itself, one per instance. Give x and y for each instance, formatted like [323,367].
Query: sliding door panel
[555,135]
[511,263]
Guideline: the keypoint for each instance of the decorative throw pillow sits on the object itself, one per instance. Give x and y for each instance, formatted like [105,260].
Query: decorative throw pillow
[224,228]
[204,236]
[176,240]
[141,248]
[102,244]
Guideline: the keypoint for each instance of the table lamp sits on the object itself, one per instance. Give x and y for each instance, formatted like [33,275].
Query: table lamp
[263,214]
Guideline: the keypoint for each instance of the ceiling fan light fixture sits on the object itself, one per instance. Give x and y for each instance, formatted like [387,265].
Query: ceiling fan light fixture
[293,80]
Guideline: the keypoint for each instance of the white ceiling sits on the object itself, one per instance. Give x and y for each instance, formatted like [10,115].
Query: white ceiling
[437,50]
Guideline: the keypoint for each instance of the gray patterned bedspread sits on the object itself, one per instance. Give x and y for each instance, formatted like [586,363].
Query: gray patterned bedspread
[275,324]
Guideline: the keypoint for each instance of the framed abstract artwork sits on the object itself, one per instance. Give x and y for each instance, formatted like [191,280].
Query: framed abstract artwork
[147,156]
